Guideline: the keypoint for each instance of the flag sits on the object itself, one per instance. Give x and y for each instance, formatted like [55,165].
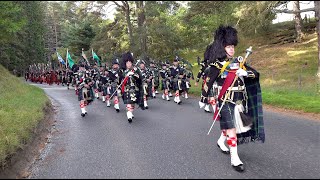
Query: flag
[60,59]
[95,57]
[69,60]
[85,57]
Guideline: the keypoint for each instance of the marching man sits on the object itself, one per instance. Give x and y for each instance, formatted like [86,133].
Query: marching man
[241,118]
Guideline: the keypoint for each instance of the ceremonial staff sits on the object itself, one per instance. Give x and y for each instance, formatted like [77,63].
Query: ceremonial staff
[249,51]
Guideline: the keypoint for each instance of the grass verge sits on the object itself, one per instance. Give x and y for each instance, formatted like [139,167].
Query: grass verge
[21,109]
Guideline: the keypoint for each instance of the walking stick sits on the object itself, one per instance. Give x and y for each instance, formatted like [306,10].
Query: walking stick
[249,51]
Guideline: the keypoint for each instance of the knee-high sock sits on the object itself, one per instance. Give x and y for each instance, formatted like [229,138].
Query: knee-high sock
[232,142]
[82,107]
[116,103]
[221,140]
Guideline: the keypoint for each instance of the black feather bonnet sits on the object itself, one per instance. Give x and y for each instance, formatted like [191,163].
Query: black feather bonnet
[224,36]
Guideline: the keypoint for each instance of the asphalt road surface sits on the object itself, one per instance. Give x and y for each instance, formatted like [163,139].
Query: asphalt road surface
[168,141]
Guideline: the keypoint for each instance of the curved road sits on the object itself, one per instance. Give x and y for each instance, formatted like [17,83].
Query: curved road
[168,141]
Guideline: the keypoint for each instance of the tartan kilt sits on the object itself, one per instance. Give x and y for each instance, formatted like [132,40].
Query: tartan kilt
[69,79]
[64,80]
[211,92]
[156,82]
[164,84]
[149,89]
[105,90]
[183,85]
[89,97]
[175,85]
[227,118]
[138,94]
[112,89]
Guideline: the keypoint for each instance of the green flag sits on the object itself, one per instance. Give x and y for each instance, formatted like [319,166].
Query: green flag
[70,61]
[95,57]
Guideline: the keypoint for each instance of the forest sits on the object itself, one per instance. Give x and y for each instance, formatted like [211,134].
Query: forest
[34,31]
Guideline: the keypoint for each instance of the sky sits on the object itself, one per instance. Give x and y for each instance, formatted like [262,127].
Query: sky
[281,17]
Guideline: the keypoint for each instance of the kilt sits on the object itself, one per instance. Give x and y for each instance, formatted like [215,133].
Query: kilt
[112,89]
[211,92]
[227,119]
[86,95]
[133,95]
[156,82]
[164,84]
[105,90]
[69,79]
[149,89]
[175,85]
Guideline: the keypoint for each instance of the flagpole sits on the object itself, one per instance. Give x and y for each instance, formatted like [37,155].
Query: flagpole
[67,60]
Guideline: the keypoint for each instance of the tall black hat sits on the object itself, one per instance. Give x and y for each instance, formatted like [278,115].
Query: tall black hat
[115,61]
[124,58]
[224,36]
[127,57]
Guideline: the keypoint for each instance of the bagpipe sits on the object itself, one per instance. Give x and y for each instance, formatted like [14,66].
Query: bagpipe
[125,79]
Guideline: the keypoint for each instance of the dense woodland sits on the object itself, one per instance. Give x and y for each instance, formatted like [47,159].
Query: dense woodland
[32,31]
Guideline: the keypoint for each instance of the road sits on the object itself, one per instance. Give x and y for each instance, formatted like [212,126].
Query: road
[168,141]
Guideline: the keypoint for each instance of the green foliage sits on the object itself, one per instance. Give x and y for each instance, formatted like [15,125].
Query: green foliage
[79,36]
[10,21]
[254,16]
[24,44]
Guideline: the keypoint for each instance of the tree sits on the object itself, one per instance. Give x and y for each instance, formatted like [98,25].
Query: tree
[298,21]
[317,16]
[125,7]
[140,11]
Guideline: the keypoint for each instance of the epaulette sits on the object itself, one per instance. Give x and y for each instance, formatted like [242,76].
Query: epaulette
[215,64]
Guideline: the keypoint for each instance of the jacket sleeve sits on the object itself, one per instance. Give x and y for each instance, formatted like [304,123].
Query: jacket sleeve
[213,73]
[200,73]
[252,73]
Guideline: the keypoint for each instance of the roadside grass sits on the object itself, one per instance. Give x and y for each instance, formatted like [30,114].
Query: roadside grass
[21,108]
[287,72]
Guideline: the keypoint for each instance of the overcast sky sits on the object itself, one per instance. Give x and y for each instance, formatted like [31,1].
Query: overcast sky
[287,17]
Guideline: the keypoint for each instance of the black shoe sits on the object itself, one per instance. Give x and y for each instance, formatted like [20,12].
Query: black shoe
[97,97]
[239,168]
[224,152]
[179,102]
[118,110]
[130,120]
[82,114]
[147,107]
[154,97]
[207,111]
[86,112]
[132,117]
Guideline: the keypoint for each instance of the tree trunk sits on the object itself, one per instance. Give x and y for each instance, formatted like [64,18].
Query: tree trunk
[298,21]
[127,13]
[142,28]
[317,15]
[126,9]
[129,28]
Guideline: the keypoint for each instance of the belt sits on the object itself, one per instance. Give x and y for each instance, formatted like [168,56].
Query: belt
[237,88]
